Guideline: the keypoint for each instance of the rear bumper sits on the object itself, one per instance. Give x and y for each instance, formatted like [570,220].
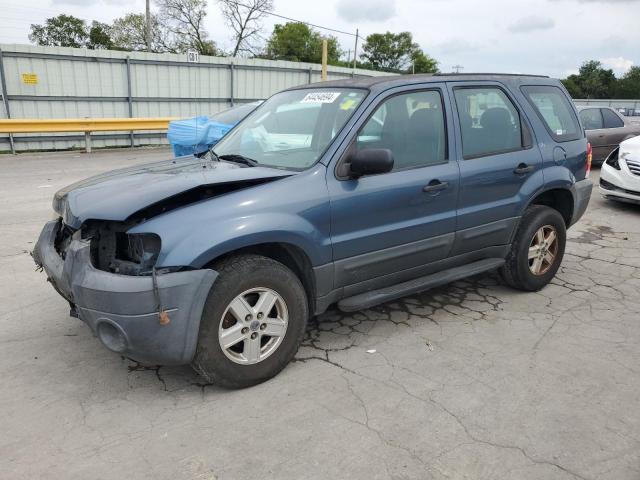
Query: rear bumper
[581,193]
[122,310]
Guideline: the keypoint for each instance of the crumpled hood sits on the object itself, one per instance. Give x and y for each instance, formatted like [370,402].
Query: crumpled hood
[119,194]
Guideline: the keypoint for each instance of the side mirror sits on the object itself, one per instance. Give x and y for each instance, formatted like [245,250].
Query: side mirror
[370,161]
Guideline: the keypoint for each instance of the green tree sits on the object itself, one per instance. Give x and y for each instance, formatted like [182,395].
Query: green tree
[592,81]
[100,36]
[422,63]
[297,42]
[572,86]
[128,33]
[629,84]
[391,52]
[61,31]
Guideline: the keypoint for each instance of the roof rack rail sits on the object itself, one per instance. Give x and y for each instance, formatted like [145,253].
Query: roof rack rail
[488,73]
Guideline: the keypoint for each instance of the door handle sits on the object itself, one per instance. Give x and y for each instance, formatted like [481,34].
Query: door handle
[435,186]
[523,168]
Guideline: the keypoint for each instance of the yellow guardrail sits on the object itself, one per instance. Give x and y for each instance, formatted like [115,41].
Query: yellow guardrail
[86,125]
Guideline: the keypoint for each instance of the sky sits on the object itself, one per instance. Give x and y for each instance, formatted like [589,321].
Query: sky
[548,37]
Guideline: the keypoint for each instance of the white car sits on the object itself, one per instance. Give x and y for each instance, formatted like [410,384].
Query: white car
[620,173]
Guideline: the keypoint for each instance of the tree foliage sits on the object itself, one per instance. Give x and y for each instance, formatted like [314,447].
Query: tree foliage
[245,20]
[129,33]
[61,31]
[595,81]
[396,52]
[422,63]
[298,42]
[629,85]
[100,36]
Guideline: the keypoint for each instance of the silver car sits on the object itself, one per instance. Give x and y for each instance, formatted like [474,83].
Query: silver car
[606,129]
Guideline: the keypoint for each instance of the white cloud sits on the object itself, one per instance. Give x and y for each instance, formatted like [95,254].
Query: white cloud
[619,65]
[366,10]
[456,45]
[87,3]
[531,23]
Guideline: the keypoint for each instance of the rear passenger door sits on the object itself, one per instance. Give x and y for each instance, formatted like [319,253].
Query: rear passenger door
[499,166]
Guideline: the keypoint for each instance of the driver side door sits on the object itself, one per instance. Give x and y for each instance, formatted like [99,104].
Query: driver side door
[389,227]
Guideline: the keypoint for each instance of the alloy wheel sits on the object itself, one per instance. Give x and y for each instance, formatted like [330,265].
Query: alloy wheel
[543,250]
[253,325]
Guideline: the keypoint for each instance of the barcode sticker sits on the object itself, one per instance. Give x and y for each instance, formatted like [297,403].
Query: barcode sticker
[320,97]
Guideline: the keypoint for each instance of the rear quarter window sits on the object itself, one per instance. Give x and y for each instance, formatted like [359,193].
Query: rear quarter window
[611,120]
[556,112]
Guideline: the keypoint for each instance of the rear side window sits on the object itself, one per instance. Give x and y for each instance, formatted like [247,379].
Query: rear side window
[555,110]
[489,122]
[611,120]
[591,119]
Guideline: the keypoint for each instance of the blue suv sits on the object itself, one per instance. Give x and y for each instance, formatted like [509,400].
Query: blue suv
[352,192]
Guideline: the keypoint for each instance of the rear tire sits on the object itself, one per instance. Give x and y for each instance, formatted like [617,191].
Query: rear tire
[266,338]
[537,250]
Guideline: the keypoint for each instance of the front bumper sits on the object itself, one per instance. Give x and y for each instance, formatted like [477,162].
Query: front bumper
[122,310]
[620,184]
[581,193]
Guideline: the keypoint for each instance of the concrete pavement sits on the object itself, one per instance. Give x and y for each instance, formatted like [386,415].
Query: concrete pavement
[469,381]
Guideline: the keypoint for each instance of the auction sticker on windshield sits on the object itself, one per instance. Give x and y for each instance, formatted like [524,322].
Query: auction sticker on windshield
[320,97]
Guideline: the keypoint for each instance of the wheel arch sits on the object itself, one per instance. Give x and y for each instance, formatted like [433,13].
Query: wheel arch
[290,255]
[560,199]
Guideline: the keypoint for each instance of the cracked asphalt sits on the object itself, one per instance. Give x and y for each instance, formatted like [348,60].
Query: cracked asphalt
[468,381]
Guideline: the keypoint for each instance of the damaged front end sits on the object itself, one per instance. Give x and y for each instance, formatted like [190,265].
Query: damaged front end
[109,278]
[116,251]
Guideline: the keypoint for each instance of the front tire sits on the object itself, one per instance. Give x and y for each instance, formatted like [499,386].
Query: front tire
[253,322]
[537,250]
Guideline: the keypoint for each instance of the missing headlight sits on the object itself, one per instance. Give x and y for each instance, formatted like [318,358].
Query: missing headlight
[114,250]
[136,253]
[142,248]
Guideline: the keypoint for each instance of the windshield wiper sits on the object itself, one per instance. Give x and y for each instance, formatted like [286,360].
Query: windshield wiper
[237,158]
[213,155]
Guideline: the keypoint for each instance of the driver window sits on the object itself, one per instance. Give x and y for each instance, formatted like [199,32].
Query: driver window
[412,126]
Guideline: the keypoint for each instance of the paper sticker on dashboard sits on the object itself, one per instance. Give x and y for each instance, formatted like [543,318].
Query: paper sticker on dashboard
[320,97]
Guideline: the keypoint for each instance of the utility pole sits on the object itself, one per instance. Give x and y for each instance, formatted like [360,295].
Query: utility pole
[324,59]
[457,68]
[355,52]
[148,28]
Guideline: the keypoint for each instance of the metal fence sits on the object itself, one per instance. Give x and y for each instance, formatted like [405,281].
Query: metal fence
[56,82]
[635,104]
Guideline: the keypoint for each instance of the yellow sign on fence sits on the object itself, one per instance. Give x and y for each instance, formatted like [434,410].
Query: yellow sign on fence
[30,78]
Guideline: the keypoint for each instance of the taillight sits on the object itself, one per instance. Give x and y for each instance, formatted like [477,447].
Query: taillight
[589,158]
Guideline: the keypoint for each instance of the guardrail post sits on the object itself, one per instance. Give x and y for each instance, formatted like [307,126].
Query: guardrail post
[231,75]
[310,75]
[129,99]
[5,100]
[87,142]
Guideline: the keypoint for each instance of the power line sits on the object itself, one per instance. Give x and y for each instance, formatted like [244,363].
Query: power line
[267,12]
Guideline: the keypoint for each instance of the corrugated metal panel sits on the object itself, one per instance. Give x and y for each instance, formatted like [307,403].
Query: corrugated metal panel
[74,83]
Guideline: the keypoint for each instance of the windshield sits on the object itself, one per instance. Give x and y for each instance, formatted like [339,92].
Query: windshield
[233,115]
[292,129]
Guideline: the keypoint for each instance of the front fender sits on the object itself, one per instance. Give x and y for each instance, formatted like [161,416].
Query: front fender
[210,241]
